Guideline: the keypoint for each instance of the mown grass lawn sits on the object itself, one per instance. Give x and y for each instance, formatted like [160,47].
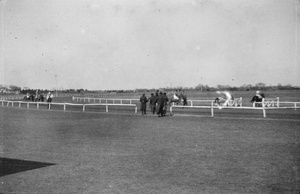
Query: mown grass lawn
[114,153]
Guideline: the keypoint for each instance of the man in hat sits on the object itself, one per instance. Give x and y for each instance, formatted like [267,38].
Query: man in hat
[143,101]
[152,104]
[165,104]
[184,98]
[49,98]
[160,104]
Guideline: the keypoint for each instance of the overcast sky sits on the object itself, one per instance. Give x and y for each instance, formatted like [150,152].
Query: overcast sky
[127,44]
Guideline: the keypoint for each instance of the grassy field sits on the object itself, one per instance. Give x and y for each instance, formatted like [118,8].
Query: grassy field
[128,153]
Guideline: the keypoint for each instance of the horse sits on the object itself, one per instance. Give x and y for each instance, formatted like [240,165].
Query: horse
[218,100]
[223,99]
[28,97]
[257,99]
[39,98]
[177,99]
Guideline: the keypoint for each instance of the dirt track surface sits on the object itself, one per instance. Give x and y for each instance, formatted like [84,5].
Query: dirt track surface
[128,153]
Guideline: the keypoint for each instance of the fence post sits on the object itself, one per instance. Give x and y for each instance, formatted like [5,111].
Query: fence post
[83,108]
[49,106]
[106,108]
[64,106]
[212,108]
[37,105]
[277,101]
[130,101]
[135,109]
[27,104]
[263,106]
[20,104]
[191,103]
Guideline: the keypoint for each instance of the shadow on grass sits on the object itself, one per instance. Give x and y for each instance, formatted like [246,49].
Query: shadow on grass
[12,166]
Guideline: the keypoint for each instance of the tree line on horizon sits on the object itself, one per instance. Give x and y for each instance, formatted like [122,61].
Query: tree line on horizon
[199,87]
[245,87]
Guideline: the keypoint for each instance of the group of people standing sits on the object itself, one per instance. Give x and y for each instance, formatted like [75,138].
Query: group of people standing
[159,101]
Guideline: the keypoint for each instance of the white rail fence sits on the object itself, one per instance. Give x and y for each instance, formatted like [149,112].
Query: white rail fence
[63,106]
[211,106]
[236,102]
[268,102]
[193,103]
[14,97]
[293,105]
[105,100]
[208,104]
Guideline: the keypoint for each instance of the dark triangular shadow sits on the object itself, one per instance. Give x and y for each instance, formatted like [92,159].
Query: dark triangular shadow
[11,166]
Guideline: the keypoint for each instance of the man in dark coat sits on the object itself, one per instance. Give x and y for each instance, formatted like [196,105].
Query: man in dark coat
[156,93]
[161,104]
[153,100]
[184,97]
[166,104]
[143,101]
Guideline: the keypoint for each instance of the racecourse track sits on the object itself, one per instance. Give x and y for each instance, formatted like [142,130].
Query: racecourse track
[56,151]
